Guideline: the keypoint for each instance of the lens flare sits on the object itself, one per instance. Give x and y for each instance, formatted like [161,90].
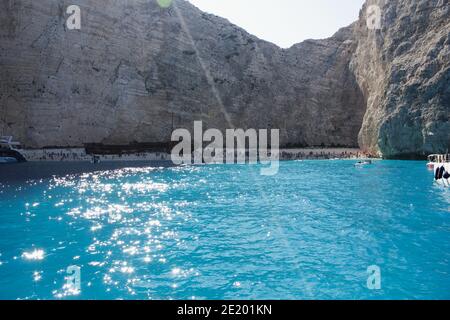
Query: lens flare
[164,3]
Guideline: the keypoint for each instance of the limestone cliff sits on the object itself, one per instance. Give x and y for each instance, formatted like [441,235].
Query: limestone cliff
[135,71]
[404,71]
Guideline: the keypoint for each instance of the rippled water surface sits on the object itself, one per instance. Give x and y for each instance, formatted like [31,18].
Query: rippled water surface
[224,232]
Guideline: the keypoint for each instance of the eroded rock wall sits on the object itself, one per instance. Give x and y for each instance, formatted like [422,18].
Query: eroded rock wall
[404,71]
[135,71]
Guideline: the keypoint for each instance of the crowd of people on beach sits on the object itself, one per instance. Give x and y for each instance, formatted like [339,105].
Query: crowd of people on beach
[80,155]
[60,155]
[286,154]
[322,155]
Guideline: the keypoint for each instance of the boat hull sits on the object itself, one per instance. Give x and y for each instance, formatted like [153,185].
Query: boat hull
[8,160]
[443,182]
[11,156]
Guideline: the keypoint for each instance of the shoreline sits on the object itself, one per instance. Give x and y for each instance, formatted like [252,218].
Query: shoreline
[80,155]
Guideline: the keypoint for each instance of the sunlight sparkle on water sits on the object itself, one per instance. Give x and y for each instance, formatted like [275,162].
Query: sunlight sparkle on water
[207,232]
[37,254]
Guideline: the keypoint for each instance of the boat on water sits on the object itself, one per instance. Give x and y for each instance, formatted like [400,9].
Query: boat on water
[10,150]
[363,163]
[5,159]
[434,159]
[440,164]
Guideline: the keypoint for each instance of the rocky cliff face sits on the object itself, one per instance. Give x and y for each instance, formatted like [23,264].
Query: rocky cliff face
[135,71]
[404,71]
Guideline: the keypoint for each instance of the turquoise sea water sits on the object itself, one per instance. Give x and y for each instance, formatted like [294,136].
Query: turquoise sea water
[224,231]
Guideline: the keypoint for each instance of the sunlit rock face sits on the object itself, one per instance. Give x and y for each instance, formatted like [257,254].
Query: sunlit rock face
[136,71]
[404,72]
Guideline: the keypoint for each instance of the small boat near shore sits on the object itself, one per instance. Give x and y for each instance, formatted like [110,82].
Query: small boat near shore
[363,163]
[5,159]
[9,151]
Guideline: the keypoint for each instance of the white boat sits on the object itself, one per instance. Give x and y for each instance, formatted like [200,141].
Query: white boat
[9,150]
[434,159]
[8,143]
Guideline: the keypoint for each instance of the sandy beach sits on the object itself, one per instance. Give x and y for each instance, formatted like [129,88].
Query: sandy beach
[79,154]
